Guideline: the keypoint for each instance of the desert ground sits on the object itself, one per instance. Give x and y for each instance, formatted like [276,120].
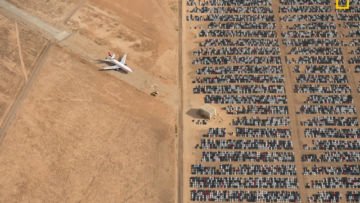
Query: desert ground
[72,133]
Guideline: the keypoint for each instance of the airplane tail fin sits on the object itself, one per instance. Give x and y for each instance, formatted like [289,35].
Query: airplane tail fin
[123,59]
[111,55]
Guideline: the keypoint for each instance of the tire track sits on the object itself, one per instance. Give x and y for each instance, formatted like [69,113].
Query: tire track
[22,94]
[19,14]
[20,52]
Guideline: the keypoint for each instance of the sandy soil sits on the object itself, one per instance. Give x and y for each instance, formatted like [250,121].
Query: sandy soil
[147,31]
[52,11]
[80,134]
[12,76]
[87,136]
[31,43]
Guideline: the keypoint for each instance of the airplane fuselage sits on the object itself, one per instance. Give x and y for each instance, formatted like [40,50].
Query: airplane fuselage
[122,66]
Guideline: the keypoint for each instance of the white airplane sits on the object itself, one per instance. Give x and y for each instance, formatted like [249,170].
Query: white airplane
[117,64]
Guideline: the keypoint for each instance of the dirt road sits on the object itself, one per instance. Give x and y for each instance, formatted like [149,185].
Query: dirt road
[86,135]
[22,94]
[28,18]
[20,52]
[141,80]
[180,111]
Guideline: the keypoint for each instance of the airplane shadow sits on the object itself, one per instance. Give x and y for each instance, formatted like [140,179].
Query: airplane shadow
[118,70]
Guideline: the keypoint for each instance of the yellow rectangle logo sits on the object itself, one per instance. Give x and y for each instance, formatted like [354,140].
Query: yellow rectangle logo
[347,6]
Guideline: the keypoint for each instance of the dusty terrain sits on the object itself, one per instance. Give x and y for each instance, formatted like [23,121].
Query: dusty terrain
[16,40]
[11,75]
[90,137]
[73,133]
[52,11]
[134,29]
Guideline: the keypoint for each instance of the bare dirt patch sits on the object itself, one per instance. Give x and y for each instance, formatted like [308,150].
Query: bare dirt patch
[84,135]
[11,73]
[146,30]
[32,43]
[80,134]
[52,11]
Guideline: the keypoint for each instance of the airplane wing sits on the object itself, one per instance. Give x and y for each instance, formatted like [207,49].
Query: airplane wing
[111,67]
[105,60]
[123,59]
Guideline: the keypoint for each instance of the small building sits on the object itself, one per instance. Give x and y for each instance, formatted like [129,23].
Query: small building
[207,111]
